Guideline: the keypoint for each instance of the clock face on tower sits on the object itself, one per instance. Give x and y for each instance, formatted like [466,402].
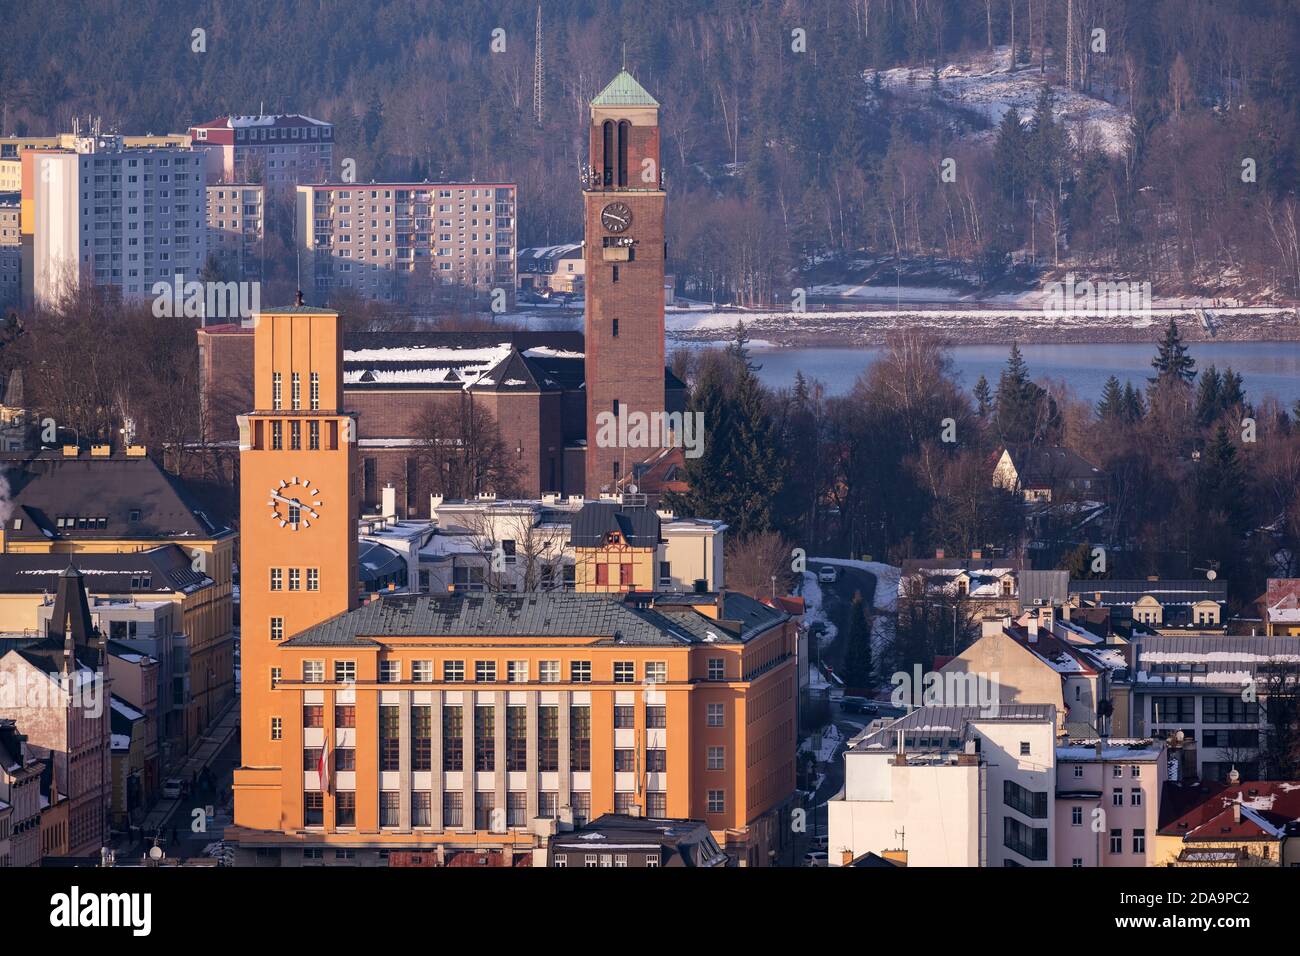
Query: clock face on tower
[616,217]
[294,503]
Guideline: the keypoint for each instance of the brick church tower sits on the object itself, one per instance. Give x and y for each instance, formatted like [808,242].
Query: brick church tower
[623,215]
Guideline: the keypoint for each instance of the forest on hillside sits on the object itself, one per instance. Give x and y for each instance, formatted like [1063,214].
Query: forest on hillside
[782,145]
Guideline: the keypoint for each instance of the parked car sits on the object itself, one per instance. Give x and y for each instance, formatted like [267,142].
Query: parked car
[819,842]
[858,705]
[829,574]
[816,858]
[171,788]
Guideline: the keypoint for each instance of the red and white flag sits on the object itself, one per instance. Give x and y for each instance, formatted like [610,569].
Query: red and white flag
[323,768]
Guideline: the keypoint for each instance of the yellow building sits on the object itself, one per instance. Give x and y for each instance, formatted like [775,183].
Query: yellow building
[77,503]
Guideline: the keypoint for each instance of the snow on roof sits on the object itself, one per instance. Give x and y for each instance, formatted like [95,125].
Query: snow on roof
[125,709]
[545,351]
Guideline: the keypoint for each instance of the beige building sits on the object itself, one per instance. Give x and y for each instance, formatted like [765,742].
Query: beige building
[236,217]
[11,260]
[950,786]
[396,241]
[109,214]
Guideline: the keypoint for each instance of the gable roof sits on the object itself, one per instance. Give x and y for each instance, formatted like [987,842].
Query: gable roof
[1270,809]
[48,486]
[624,90]
[1042,465]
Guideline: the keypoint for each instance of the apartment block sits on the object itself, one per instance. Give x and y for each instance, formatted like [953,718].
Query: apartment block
[11,259]
[109,215]
[950,786]
[395,241]
[1108,794]
[280,151]
[236,217]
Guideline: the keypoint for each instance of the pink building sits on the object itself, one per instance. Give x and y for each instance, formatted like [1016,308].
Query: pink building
[1108,801]
[279,152]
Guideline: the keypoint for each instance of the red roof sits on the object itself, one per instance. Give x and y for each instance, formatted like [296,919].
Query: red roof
[1267,808]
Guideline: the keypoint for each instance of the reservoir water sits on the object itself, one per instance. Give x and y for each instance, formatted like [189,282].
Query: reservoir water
[1266,367]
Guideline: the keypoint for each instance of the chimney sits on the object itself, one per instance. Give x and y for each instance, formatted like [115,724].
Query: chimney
[938,554]
[1033,630]
[389,508]
[977,555]
[846,857]
[1236,809]
[70,451]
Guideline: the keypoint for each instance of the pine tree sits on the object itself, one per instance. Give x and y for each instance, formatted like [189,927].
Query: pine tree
[1172,363]
[1134,405]
[1221,482]
[1233,391]
[857,655]
[707,478]
[738,348]
[1209,396]
[983,397]
[1025,413]
[1011,155]
[754,463]
[1111,407]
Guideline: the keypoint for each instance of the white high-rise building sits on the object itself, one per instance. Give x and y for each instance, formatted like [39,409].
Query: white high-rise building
[112,215]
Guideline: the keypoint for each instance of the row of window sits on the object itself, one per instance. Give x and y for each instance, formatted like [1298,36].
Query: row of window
[295,391]
[487,816]
[295,579]
[485,672]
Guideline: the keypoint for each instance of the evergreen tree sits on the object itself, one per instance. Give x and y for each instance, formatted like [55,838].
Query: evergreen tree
[1111,407]
[1135,408]
[1011,155]
[1209,394]
[1221,482]
[706,476]
[1232,393]
[983,397]
[1172,363]
[1025,413]
[1046,143]
[738,347]
[857,655]
[755,465]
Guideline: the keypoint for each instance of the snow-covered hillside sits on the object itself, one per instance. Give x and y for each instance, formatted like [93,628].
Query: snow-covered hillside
[983,84]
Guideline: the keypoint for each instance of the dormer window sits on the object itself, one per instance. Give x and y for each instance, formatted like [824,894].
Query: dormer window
[134,514]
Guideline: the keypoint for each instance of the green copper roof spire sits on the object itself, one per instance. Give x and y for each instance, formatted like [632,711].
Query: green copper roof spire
[623,90]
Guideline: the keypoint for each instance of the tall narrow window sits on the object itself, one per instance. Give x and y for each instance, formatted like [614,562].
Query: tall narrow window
[624,134]
[295,390]
[453,740]
[277,396]
[315,391]
[607,152]
[277,436]
[485,753]
[389,738]
[313,436]
[580,739]
[295,435]
[421,737]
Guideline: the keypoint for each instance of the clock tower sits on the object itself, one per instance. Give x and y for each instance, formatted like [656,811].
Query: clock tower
[623,207]
[298,509]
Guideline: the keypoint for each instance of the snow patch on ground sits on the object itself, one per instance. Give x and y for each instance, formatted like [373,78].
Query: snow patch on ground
[815,612]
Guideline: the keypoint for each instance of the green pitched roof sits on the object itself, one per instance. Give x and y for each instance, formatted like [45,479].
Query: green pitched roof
[624,90]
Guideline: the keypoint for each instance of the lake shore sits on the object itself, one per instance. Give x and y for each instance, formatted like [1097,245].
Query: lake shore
[975,326]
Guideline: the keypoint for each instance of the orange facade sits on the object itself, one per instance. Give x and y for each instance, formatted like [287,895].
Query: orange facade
[298,513]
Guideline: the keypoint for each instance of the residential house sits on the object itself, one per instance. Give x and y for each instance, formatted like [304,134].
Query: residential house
[1048,474]
[20,790]
[1231,824]
[1167,607]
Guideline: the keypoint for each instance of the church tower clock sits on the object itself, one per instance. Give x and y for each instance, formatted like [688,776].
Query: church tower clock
[623,204]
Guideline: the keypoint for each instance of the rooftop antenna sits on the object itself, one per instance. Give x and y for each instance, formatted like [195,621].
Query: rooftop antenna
[538,70]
